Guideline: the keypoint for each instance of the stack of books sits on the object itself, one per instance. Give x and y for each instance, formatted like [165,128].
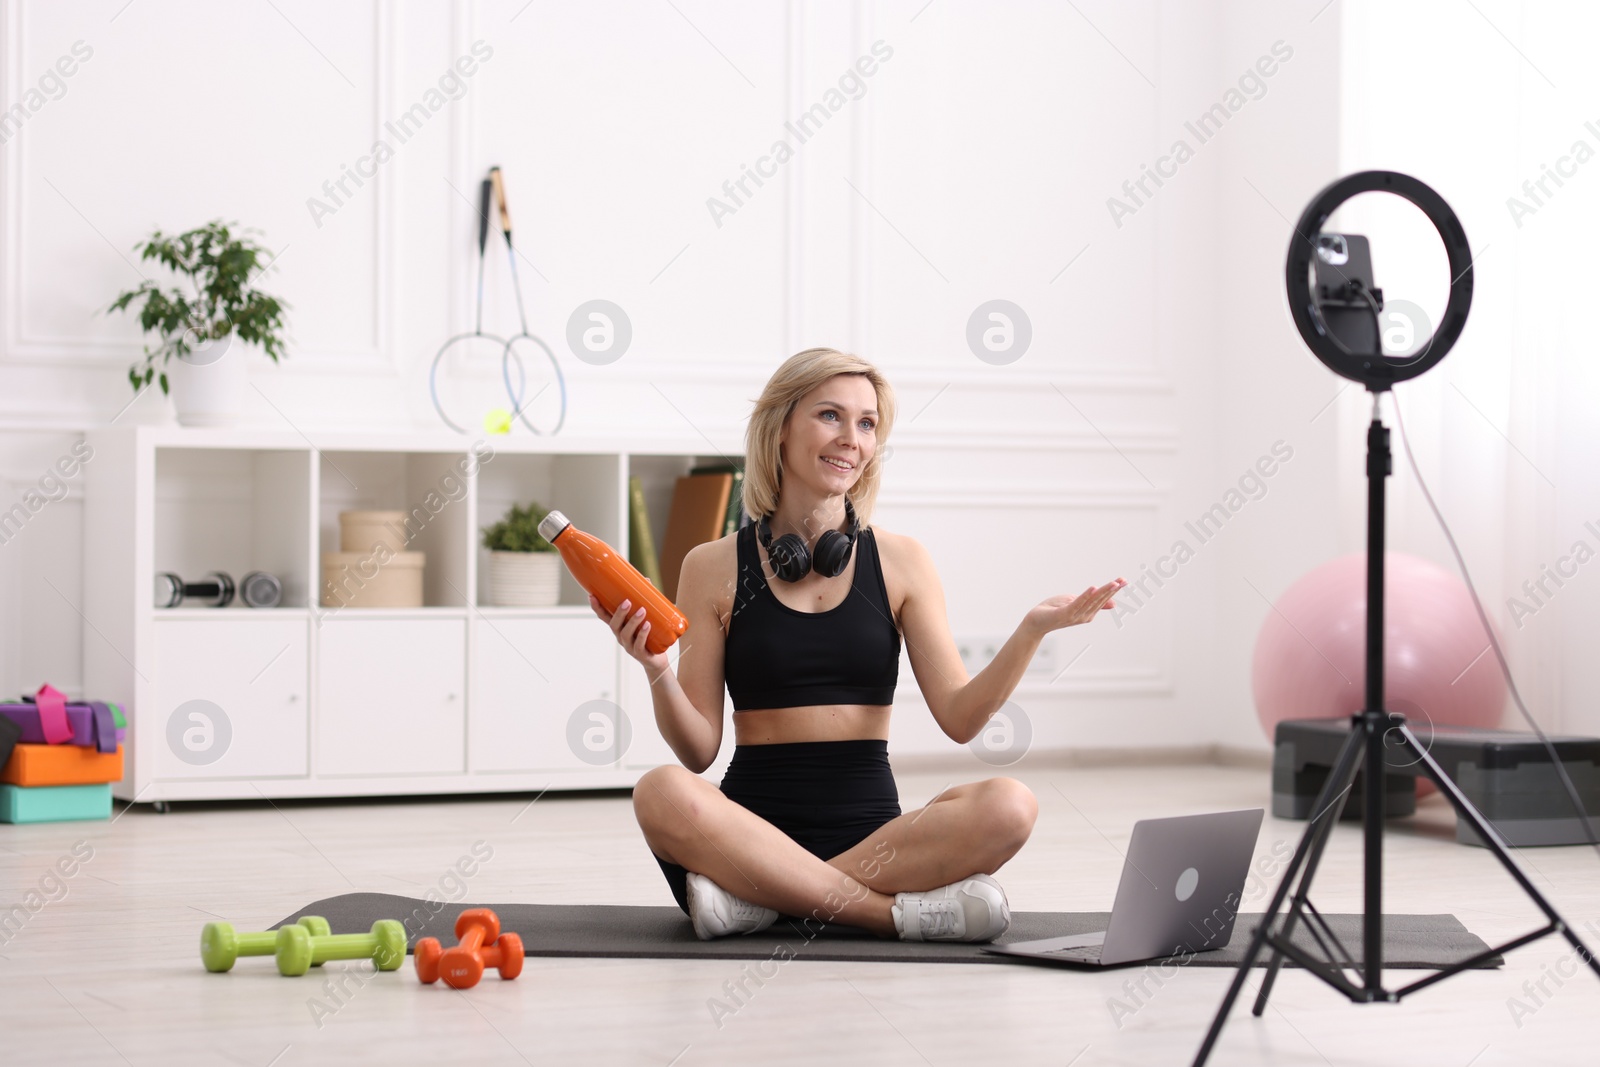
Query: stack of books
[707,503]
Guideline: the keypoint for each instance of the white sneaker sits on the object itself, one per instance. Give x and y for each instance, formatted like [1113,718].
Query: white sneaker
[973,909]
[716,912]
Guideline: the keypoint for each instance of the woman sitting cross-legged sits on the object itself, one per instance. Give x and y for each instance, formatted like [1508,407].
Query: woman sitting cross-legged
[800,614]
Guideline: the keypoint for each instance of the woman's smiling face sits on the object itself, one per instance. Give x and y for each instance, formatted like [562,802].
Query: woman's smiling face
[836,423]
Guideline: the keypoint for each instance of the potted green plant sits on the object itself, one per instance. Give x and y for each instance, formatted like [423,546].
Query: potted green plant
[200,327]
[524,568]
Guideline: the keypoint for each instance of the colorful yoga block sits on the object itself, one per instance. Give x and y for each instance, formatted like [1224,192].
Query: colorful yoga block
[54,803]
[93,725]
[36,765]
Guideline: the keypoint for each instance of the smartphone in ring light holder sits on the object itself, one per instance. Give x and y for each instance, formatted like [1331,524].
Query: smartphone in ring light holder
[1350,304]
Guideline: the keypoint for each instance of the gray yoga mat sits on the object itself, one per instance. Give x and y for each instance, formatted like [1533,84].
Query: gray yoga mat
[608,930]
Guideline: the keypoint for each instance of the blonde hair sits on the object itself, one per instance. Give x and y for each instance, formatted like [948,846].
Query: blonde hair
[799,374]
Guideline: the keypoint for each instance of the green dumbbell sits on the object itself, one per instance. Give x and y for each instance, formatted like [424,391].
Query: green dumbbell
[298,949]
[220,944]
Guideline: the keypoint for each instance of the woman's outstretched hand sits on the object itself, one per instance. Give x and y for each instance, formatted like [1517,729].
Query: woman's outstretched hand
[627,622]
[1068,610]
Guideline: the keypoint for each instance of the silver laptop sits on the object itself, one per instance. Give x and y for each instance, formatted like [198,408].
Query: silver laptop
[1181,886]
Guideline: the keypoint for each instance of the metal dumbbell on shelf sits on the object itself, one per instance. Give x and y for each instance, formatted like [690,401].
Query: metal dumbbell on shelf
[298,950]
[482,945]
[258,589]
[221,945]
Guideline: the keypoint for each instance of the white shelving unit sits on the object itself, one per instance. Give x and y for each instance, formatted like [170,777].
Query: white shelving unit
[303,700]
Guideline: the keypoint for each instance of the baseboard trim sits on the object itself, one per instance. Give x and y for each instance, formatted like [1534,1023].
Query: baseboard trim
[1156,756]
[1240,756]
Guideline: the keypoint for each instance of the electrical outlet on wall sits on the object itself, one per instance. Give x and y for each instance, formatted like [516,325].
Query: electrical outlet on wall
[977,651]
[970,650]
[1044,663]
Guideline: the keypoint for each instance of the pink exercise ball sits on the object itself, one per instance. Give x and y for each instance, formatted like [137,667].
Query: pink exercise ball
[1310,656]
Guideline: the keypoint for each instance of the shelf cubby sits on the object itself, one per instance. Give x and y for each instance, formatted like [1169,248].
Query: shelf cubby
[234,511]
[432,491]
[658,473]
[585,487]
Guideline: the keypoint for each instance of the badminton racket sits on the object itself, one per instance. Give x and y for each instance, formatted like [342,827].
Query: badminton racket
[509,352]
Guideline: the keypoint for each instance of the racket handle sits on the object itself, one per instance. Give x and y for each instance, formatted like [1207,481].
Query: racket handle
[484,192]
[500,195]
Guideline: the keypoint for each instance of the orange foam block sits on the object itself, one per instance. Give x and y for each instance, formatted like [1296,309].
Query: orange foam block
[35,765]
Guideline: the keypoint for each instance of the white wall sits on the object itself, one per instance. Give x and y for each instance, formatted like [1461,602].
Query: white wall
[976,165]
[1276,155]
[1505,427]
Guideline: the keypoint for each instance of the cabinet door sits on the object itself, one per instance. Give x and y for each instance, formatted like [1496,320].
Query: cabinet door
[230,699]
[544,695]
[390,696]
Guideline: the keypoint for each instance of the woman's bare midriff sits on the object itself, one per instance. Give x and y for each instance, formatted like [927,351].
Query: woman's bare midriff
[818,722]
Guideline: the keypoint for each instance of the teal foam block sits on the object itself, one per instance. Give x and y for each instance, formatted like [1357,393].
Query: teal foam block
[54,803]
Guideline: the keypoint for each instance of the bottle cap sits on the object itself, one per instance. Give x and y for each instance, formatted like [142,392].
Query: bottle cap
[552,524]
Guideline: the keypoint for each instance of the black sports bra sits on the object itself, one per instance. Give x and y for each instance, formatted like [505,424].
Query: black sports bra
[776,656]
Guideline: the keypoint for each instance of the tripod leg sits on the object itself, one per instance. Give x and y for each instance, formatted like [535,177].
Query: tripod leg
[1257,939]
[1343,772]
[1328,808]
[1491,839]
[1330,817]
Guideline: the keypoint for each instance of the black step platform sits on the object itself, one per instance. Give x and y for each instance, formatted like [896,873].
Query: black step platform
[1506,774]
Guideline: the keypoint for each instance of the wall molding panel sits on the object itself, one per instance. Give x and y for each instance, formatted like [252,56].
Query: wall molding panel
[606,179]
[27,347]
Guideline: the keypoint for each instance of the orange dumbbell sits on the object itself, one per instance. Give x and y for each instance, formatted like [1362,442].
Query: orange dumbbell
[482,945]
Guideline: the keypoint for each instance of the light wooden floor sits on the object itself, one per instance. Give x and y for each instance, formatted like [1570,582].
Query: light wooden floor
[109,973]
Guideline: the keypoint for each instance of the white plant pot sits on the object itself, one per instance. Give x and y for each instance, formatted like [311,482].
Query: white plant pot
[524,579]
[208,387]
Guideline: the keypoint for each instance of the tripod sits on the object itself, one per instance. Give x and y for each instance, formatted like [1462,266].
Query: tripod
[1369,730]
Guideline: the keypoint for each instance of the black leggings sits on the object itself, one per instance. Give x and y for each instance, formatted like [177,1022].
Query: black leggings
[826,795]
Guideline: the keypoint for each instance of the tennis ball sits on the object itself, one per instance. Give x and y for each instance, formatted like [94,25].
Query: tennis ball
[497,421]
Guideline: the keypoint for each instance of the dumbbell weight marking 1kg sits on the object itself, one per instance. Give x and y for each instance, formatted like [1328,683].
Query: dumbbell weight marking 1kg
[482,945]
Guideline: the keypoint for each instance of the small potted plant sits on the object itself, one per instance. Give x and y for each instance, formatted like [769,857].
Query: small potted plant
[524,568]
[200,327]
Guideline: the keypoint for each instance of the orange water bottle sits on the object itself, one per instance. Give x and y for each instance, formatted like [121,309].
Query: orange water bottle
[612,579]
